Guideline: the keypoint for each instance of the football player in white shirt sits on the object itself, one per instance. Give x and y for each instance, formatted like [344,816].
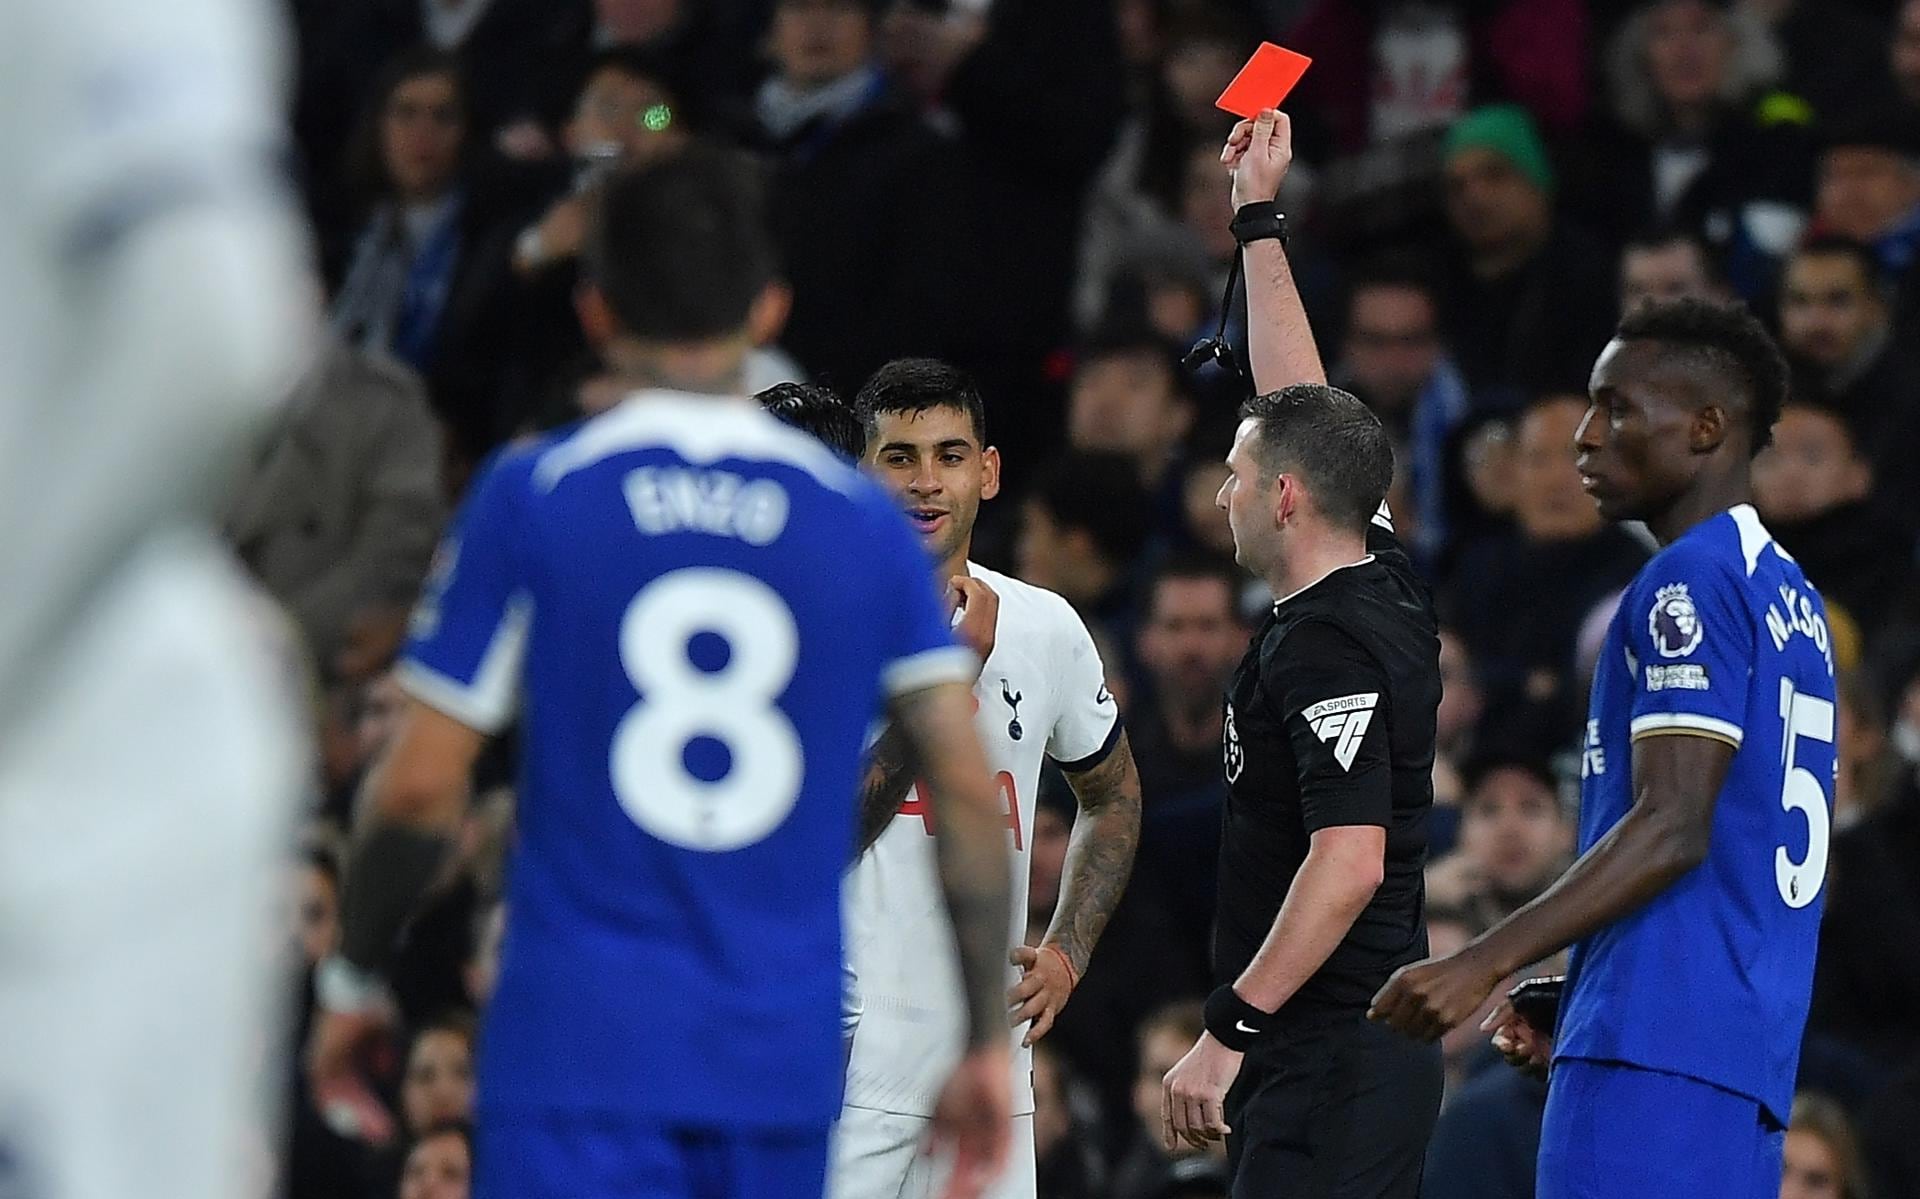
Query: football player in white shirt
[153,309]
[1041,694]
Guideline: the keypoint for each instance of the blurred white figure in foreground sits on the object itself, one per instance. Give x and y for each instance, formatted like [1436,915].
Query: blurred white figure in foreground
[151,313]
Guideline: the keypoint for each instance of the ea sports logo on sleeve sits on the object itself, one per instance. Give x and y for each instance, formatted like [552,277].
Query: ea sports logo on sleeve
[1343,722]
[1674,622]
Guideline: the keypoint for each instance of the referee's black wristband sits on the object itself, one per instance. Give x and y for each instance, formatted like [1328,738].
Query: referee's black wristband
[1259,221]
[1233,1021]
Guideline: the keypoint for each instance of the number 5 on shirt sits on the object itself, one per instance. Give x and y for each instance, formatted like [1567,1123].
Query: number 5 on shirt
[1811,717]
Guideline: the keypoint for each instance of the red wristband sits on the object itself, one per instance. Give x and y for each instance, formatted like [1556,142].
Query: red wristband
[1073,976]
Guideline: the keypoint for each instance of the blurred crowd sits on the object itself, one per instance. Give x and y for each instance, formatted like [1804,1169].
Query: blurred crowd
[1031,189]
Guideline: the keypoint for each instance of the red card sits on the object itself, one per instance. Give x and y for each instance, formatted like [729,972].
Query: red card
[1265,81]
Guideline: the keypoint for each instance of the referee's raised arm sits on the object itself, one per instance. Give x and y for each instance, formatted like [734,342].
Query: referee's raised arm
[1330,742]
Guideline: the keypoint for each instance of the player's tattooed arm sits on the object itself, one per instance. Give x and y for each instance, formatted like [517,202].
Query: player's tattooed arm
[970,846]
[891,768]
[1099,856]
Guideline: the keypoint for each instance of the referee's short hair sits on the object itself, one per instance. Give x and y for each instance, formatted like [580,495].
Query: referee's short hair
[1332,440]
[680,248]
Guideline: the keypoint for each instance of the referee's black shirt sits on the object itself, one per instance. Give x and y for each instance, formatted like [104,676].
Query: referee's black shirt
[1330,721]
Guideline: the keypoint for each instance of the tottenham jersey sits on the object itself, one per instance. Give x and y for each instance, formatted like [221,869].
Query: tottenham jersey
[1042,693]
[660,591]
[1719,636]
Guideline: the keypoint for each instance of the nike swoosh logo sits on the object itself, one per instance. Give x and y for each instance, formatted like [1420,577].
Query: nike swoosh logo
[1242,1026]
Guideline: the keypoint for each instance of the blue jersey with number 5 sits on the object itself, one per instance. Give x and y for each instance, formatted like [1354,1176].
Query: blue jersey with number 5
[698,613]
[1719,636]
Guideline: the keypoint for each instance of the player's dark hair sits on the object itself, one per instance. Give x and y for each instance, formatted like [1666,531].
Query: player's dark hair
[909,386]
[1100,493]
[1197,564]
[1728,341]
[818,410]
[1832,245]
[680,248]
[1333,440]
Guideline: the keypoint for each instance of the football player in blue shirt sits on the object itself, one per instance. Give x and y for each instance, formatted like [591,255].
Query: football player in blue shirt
[1707,785]
[663,593]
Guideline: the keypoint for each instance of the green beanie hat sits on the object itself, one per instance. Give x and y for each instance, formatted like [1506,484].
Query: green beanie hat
[1508,130]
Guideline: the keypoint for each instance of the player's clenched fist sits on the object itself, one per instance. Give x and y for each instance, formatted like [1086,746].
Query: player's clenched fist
[979,611]
[1258,152]
[1427,998]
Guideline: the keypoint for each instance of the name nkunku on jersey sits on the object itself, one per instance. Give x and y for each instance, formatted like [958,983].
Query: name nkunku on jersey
[1719,636]
[701,611]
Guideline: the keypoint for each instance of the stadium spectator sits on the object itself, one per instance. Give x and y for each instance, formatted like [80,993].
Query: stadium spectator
[1134,205]
[1869,191]
[1868,768]
[1464,1049]
[317,917]
[483,966]
[1892,1151]
[870,222]
[1867,979]
[1822,46]
[1065,1146]
[437,1085]
[1081,530]
[1837,330]
[1822,1153]
[439,1165]
[1812,486]
[1526,299]
[1146,1167]
[1515,839]
[1695,141]
[1519,600]
[1903,59]
[509,50]
[338,513]
[1392,358]
[423,276]
[1129,396]
[1190,638]
[1461,705]
[1668,264]
[1487,1141]
[1035,92]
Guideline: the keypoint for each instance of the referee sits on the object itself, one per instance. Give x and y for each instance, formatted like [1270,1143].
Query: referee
[1329,746]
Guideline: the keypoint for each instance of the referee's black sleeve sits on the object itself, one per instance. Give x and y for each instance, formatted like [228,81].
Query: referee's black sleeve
[1337,705]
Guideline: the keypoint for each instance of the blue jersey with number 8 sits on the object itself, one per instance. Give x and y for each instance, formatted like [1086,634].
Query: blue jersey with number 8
[1719,636]
[698,613]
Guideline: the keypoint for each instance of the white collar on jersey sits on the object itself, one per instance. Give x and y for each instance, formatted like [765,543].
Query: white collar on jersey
[1323,578]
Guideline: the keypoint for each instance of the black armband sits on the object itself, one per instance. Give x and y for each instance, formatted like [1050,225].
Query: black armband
[1233,1021]
[389,871]
[1259,221]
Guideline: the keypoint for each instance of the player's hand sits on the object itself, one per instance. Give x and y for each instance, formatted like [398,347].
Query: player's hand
[1258,152]
[979,614]
[1428,998]
[340,1095]
[1045,983]
[1193,1095]
[1525,1047]
[973,1118]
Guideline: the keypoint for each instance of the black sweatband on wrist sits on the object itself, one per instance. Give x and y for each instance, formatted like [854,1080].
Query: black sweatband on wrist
[1233,1021]
[388,873]
[1259,221]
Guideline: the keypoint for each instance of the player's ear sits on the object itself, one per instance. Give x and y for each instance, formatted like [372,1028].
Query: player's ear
[596,315]
[989,472]
[768,315]
[1709,429]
